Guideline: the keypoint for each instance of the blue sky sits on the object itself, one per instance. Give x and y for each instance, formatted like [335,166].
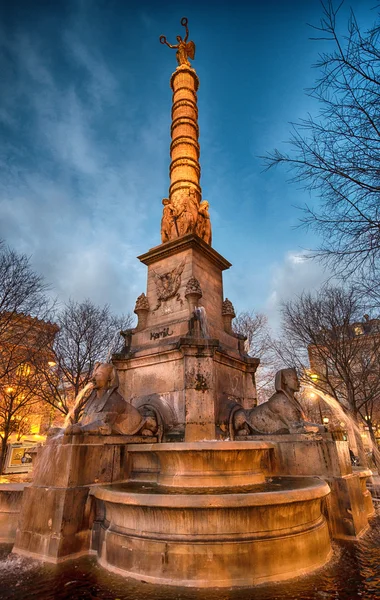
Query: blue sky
[85,133]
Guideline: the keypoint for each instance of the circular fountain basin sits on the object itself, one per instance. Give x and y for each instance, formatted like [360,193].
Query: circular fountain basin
[221,534]
[209,464]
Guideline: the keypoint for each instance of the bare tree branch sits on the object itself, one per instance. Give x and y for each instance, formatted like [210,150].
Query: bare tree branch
[337,153]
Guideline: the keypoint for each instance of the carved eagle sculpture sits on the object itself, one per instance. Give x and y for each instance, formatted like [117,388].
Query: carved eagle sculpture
[167,285]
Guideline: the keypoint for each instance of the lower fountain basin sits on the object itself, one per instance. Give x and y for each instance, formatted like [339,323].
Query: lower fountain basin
[214,537]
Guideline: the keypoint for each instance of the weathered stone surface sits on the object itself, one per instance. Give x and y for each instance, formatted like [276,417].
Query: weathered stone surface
[364,475]
[193,287]
[201,262]
[63,476]
[190,380]
[228,308]
[142,303]
[205,464]
[319,455]
[10,504]
[216,539]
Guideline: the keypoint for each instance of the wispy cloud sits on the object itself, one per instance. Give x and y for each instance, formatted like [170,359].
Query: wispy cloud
[71,195]
[296,273]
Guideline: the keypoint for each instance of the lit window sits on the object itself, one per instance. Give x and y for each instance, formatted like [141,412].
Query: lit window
[23,370]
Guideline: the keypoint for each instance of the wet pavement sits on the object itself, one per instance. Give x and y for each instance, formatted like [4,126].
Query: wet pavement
[353,573]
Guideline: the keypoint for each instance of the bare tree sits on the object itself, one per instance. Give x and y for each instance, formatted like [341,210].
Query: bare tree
[334,349]
[337,153]
[87,334]
[254,326]
[19,403]
[24,332]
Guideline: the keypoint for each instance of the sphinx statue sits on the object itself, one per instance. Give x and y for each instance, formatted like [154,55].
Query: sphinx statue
[282,413]
[106,412]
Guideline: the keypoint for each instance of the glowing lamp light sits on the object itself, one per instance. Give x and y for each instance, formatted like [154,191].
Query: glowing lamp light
[325,420]
[312,395]
[9,390]
[314,377]
[52,363]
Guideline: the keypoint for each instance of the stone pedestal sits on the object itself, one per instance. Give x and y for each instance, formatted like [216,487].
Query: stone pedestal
[186,382]
[56,514]
[192,257]
[172,365]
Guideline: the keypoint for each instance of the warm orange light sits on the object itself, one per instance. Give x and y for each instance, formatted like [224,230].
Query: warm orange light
[52,363]
[325,420]
[23,370]
[312,395]
[9,390]
[314,376]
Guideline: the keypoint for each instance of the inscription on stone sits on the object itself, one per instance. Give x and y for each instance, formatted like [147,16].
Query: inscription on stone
[155,335]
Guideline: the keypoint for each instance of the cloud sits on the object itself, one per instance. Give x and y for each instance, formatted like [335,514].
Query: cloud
[295,274]
[73,196]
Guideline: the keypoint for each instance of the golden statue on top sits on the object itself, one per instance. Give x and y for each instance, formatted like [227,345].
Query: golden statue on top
[184,48]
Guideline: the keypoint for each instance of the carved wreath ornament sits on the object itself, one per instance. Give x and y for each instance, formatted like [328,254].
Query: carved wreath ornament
[168,284]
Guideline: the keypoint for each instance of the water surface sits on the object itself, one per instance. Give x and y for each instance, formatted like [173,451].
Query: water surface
[272,484]
[353,574]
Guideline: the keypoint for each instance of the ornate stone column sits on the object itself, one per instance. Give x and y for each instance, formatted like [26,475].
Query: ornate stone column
[185,171]
[184,211]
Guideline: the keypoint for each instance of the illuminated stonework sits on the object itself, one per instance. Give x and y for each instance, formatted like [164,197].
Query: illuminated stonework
[184,211]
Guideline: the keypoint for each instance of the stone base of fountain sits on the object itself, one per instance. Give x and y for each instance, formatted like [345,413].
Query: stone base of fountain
[350,503]
[364,476]
[10,504]
[56,514]
[210,519]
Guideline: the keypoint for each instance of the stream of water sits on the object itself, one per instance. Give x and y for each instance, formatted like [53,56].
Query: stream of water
[352,574]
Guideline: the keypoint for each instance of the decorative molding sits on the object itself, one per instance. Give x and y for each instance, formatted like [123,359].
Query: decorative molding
[142,303]
[228,308]
[189,241]
[193,287]
[168,284]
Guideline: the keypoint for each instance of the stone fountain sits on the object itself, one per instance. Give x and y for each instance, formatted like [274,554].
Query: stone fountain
[188,482]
